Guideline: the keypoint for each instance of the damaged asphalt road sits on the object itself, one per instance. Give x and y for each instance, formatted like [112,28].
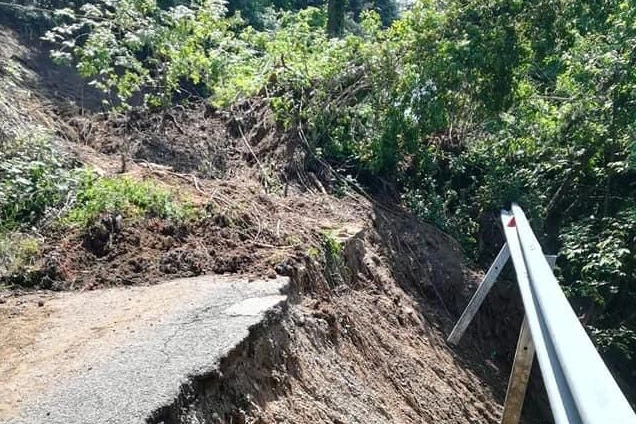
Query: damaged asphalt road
[119,355]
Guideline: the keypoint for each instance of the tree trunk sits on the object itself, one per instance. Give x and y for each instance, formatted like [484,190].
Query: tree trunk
[335,17]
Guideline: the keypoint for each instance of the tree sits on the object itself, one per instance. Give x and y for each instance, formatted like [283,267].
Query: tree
[388,11]
[335,17]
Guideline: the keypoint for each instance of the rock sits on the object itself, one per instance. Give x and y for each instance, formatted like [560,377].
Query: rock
[298,317]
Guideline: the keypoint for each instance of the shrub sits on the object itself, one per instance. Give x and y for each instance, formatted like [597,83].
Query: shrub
[138,48]
[34,179]
[18,252]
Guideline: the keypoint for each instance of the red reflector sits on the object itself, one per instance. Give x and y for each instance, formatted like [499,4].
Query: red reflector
[512,222]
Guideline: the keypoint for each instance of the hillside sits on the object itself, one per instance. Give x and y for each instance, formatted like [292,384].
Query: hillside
[361,149]
[374,289]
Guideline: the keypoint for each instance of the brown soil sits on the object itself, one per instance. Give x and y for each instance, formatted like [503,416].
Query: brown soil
[196,139]
[367,350]
[364,341]
[243,232]
[260,202]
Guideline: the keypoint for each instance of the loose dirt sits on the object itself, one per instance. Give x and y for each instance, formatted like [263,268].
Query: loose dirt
[370,353]
[243,232]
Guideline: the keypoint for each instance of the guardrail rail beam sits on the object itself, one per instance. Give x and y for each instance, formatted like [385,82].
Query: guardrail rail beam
[580,388]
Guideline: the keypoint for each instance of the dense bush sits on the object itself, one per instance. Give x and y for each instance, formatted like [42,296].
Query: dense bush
[140,49]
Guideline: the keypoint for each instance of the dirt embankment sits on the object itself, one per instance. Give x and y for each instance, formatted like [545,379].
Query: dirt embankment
[375,290]
[365,350]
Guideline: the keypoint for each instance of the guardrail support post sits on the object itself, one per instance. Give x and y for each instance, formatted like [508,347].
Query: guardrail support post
[521,367]
[519,376]
[479,296]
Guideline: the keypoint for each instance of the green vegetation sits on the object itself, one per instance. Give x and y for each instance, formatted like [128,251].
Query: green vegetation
[34,178]
[334,261]
[17,255]
[123,196]
[38,184]
[34,182]
[175,53]
[41,188]
[333,247]
[460,107]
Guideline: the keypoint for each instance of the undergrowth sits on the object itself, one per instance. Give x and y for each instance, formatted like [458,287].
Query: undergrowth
[18,254]
[42,190]
[35,178]
[95,196]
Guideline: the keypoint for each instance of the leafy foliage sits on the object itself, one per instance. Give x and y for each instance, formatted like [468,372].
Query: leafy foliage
[601,266]
[96,196]
[133,47]
[467,109]
[259,14]
[35,182]
[34,178]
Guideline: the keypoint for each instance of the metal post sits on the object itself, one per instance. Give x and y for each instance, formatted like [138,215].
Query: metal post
[480,295]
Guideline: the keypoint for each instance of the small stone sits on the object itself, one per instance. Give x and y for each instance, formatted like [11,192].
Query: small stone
[40,303]
[281,269]
[298,317]
[239,417]
[272,275]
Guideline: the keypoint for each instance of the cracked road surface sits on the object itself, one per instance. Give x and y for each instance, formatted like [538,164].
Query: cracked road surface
[117,355]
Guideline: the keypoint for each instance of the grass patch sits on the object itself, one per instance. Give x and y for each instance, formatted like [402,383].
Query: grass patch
[333,247]
[123,196]
[18,254]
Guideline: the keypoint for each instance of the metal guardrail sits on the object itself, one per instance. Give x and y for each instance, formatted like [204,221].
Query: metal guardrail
[579,385]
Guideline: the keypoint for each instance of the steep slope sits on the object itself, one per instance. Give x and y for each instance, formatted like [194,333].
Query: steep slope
[367,351]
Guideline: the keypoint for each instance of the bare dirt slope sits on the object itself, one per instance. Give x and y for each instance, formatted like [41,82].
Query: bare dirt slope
[365,350]
[374,290]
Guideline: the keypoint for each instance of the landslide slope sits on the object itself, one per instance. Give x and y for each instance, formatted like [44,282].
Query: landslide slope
[374,290]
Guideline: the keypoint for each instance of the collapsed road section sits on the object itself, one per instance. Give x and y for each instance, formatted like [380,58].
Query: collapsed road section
[118,355]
